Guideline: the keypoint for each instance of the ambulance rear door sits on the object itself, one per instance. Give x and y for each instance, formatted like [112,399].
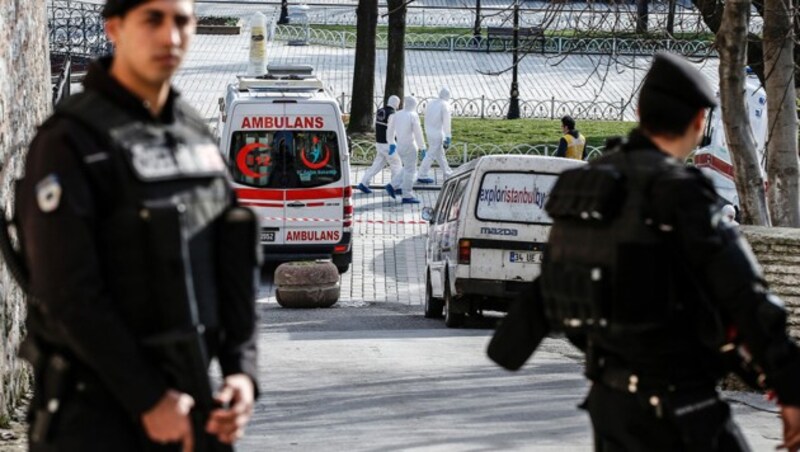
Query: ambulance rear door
[254,159]
[316,190]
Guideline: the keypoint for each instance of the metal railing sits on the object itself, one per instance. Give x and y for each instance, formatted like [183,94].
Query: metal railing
[552,108]
[76,28]
[363,152]
[550,44]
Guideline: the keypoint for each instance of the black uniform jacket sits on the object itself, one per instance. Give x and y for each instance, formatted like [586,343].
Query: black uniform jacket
[69,277]
[712,263]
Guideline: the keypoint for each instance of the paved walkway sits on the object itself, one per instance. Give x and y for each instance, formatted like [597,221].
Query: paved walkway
[388,248]
[214,61]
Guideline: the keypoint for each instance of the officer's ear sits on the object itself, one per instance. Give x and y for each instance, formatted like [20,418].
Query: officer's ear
[112,25]
[699,121]
[697,126]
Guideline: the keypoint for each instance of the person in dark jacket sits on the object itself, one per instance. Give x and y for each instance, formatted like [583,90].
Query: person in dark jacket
[141,266]
[646,275]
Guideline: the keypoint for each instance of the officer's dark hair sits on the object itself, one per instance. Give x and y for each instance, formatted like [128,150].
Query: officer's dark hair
[118,8]
[569,122]
[670,122]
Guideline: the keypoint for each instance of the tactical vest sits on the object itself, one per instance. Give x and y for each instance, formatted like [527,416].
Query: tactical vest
[608,270]
[381,123]
[161,188]
[575,146]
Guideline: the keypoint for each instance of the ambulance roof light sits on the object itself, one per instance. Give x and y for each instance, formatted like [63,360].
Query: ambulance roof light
[258,84]
[284,70]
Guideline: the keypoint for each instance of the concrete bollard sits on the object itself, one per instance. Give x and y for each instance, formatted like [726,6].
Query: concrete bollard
[307,284]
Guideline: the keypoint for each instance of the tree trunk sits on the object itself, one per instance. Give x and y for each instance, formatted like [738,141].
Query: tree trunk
[732,47]
[642,13]
[783,196]
[671,17]
[711,11]
[361,111]
[476,29]
[396,50]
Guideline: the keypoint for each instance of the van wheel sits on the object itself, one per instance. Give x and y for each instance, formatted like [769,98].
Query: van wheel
[342,268]
[451,319]
[433,306]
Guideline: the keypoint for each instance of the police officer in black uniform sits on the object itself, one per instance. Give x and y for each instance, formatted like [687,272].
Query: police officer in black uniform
[141,268]
[645,275]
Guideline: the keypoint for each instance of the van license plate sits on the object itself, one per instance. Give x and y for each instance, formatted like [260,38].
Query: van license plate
[267,236]
[525,257]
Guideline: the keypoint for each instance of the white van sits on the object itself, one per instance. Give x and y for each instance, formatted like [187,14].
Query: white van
[487,233]
[285,143]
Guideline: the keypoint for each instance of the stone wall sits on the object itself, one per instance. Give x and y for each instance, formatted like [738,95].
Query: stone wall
[778,251]
[25,97]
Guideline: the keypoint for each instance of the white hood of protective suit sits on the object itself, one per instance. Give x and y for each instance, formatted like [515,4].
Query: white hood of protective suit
[444,93]
[405,127]
[393,102]
[409,104]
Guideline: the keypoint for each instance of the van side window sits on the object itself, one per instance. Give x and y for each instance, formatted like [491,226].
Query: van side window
[458,196]
[443,205]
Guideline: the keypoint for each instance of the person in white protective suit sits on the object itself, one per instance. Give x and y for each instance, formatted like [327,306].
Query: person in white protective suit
[383,155]
[437,128]
[408,132]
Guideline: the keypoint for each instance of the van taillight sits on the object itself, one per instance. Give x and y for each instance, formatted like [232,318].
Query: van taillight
[464,252]
[348,207]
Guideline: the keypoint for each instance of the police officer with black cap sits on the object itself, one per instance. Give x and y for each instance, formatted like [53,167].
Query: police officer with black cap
[645,274]
[140,265]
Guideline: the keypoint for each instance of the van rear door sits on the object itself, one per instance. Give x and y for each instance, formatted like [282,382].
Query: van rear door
[510,225]
[316,189]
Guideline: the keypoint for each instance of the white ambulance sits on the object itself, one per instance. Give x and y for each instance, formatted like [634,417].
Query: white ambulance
[285,143]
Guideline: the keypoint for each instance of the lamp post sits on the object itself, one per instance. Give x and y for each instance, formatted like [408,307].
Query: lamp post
[513,104]
[476,28]
[284,17]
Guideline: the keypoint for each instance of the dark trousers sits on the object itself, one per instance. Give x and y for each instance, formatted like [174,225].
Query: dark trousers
[92,421]
[628,422]
[88,423]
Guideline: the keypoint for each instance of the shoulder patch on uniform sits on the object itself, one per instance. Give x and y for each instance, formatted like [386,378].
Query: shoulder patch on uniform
[48,193]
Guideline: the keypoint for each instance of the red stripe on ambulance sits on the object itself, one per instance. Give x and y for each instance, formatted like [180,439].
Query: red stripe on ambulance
[314,193]
[252,194]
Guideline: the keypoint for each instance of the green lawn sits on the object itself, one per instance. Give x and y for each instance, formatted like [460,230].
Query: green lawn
[532,131]
[565,33]
[416,30]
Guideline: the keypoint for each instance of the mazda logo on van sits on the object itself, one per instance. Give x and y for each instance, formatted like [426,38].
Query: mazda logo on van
[499,231]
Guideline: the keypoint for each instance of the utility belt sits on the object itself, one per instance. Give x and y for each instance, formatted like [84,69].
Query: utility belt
[691,405]
[626,380]
[57,377]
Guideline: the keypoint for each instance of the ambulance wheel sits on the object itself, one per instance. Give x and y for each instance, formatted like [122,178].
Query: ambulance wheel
[433,306]
[451,319]
[342,261]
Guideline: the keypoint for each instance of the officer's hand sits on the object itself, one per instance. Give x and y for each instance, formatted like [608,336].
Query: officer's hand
[238,395]
[422,153]
[392,148]
[791,428]
[168,421]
